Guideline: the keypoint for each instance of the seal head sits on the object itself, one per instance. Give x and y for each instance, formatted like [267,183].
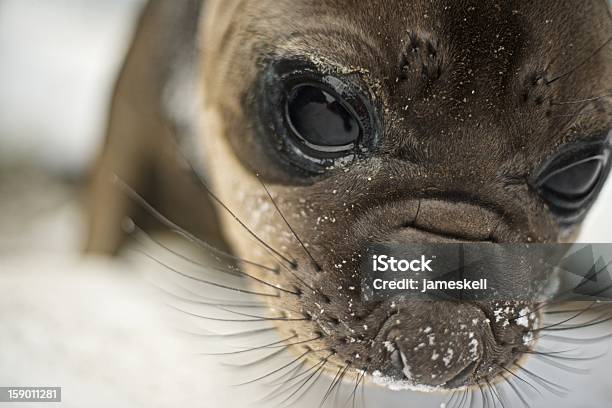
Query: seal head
[404,122]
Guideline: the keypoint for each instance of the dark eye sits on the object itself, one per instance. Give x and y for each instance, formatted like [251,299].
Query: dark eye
[321,119]
[569,183]
[575,180]
[318,120]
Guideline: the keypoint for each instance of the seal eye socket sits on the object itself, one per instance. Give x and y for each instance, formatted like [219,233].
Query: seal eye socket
[311,120]
[321,119]
[569,183]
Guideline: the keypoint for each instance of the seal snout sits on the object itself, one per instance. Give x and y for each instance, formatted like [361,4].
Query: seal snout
[435,352]
[444,345]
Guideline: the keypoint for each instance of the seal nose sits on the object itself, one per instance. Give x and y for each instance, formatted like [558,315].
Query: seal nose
[430,349]
[430,366]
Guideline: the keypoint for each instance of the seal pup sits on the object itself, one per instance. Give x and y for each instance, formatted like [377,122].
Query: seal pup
[326,125]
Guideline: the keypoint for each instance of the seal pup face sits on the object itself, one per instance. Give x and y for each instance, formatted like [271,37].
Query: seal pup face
[395,121]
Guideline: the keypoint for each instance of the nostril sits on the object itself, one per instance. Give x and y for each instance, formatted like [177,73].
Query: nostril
[396,360]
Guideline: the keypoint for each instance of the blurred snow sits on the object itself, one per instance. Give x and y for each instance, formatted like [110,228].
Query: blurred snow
[597,227]
[58,60]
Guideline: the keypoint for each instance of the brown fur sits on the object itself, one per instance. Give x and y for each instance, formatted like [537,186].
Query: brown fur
[466,94]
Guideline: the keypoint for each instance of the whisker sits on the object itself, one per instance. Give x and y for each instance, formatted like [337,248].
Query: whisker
[363,404]
[275,253]
[483,396]
[583,311]
[234,272]
[519,378]
[176,228]
[495,394]
[567,358]
[566,292]
[332,385]
[296,276]
[294,377]
[573,340]
[450,400]
[321,365]
[256,361]
[581,325]
[490,392]
[204,281]
[581,64]
[595,98]
[575,114]
[257,319]
[314,262]
[229,335]
[283,386]
[137,232]
[467,396]
[243,314]
[460,395]
[517,393]
[209,302]
[566,311]
[229,353]
[216,303]
[320,371]
[556,389]
[360,377]
[336,392]
[303,341]
[556,364]
[274,371]
[206,188]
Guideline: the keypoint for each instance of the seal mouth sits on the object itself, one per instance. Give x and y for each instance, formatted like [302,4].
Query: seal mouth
[435,344]
[416,344]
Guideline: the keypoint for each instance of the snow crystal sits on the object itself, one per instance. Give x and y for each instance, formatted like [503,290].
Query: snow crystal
[394,385]
[406,369]
[448,357]
[523,320]
[473,348]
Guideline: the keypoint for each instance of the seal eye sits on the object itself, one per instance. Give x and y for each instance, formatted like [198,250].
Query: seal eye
[322,120]
[312,119]
[569,183]
[575,180]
